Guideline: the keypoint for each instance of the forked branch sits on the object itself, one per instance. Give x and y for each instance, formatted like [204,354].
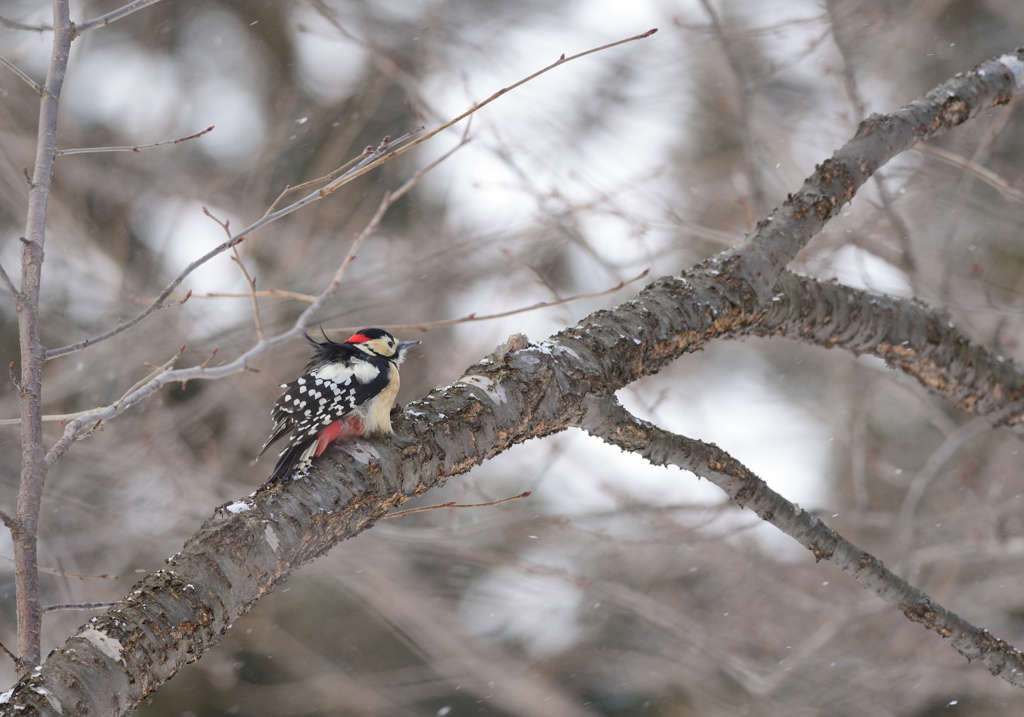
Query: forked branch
[17,70]
[133,148]
[609,421]
[161,377]
[33,464]
[112,16]
[384,153]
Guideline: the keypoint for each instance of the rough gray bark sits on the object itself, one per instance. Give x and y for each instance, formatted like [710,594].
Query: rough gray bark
[910,336]
[528,390]
[879,138]
[609,421]
[522,391]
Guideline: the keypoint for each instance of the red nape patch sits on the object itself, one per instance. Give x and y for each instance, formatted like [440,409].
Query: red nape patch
[348,426]
[357,339]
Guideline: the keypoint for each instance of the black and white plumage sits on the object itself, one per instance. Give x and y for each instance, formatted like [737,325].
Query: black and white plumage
[347,389]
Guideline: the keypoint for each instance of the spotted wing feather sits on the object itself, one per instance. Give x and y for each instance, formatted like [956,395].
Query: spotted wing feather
[311,403]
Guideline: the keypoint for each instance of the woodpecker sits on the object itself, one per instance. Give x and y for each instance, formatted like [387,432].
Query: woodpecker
[346,389]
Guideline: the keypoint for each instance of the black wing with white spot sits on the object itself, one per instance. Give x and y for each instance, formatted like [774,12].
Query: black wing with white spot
[312,402]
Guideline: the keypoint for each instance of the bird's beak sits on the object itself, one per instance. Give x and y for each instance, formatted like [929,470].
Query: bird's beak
[403,345]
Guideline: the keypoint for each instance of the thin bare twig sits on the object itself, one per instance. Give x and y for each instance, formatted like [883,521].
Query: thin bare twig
[237,258]
[134,148]
[17,660]
[63,574]
[15,25]
[313,182]
[983,173]
[475,108]
[252,293]
[209,358]
[468,318]
[385,204]
[262,293]
[382,154]
[47,418]
[453,504]
[347,172]
[909,260]
[17,70]
[7,520]
[72,429]
[222,224]
[113,15]
[62,417]
[159,370]
[79,606]
[533,307]
[746,112]
[77,424]
[159,302]
[98,426]
[606,419]
[10,285]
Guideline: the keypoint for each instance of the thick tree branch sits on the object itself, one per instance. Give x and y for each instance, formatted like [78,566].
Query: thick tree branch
[521,391]
[162,377]
[911,337]
[909,262]
[524,391]
[879,138]
[608,420]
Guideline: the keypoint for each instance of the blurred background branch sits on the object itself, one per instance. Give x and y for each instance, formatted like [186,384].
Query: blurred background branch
[617,588]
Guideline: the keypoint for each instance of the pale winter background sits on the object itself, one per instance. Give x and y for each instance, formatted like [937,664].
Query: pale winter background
[616,588]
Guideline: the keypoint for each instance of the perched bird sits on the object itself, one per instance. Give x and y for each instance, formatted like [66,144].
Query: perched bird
[346,389]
